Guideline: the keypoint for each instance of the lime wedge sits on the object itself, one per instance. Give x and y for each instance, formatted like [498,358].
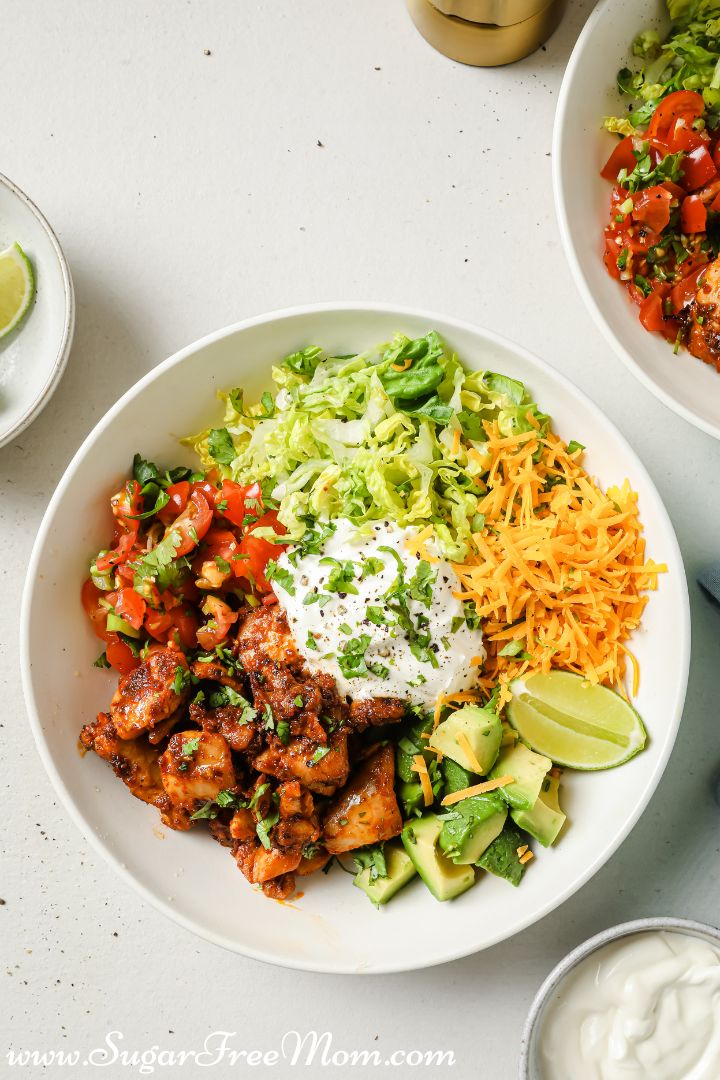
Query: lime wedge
[578,725]
[17,287]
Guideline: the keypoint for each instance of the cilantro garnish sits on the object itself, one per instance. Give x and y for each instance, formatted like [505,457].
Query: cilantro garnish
[220,446]
[284,578]
[182,679]
[372,859]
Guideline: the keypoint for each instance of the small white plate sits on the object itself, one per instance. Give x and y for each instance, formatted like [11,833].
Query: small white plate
[582,200]
[189,877]
[33,357]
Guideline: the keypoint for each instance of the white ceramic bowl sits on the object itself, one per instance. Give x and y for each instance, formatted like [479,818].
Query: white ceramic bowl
[530,1068]
[582,199]
[33,357]
[188,876]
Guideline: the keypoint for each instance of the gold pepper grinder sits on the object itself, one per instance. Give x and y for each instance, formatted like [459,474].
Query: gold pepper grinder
[486,33]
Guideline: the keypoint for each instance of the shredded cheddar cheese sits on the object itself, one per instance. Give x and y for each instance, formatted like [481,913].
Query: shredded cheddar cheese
[526,857]
[464,744]
[404,365]
[419,766]
[416,545]
[477,789]
[559,567]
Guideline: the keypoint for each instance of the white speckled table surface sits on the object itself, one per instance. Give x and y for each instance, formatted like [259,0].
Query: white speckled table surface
[320,151]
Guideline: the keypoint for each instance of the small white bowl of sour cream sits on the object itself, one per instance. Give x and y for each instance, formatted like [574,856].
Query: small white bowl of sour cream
[640,1001]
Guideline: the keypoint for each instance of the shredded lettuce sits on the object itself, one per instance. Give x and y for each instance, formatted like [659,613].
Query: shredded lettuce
[687,59]
[372,436]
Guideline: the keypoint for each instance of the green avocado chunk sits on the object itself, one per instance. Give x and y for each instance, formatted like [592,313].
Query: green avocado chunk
[456,778]
[481,728]
[502,859]
[471,826]
[528,770]
[400,870]
[546,819]
[443,878]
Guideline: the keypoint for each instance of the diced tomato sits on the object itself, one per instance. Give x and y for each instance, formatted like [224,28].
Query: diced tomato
[715,204]
[682,103]
[269,599]
[693,215]
[652,206]
[185,622]
[220,542]
[157,624]
[652,317]
[126,504]
[130,606]
[622,157]
[90,596]
[698,167]
[193,523]
[684,292]
[221,618]
[684,137]
[120,554]
[233,498]
[120,655]
[610,258]
[259,551]
[177,501]
[209,490]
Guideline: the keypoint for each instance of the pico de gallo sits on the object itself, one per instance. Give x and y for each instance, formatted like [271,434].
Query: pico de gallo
[663,236]
[188,548]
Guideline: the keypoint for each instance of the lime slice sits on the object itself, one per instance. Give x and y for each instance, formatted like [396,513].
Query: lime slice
[573,722]
[17,287]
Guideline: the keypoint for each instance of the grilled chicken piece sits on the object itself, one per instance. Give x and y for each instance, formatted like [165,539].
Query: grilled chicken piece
[278,676]
[315,858]
[376,711]
[366,810]
[704,341]
[216,672]
[227,721]
[292,762]
[137,764]
[146,697]
[196,766]
[259,864]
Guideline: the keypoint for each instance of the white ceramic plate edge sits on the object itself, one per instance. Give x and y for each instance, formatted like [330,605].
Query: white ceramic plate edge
[569,247]
[674,711]
[63,353]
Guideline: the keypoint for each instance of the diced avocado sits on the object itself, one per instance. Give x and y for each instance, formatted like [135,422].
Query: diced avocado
[456,778]
[546,819]
[528,770]
[481,728]
[502,858]
[118,625]
[471,826]
[400,870]
[443,878]
[411,798]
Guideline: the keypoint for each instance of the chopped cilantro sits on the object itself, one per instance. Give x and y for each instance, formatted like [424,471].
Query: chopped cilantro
[320,753]
[283,731]
[371,566]
[220,446]
[190,746]
[182,679]
[298,702]
[372,859]
[102,661]
[222,564]
[284,578]
[342,576]
[311,643]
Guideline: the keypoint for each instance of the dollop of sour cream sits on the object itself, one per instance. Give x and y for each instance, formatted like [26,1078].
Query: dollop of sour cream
[377,617]
[646,1007]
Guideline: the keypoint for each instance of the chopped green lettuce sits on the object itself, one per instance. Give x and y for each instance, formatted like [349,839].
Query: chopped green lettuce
[688,58]
[371,436]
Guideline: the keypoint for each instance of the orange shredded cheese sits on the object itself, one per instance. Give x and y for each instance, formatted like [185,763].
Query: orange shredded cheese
[419,767]
[406,363]
[464,744]
[560,566]
[477,789]
[522,849]
[416,545]
[526,857]
[455,442]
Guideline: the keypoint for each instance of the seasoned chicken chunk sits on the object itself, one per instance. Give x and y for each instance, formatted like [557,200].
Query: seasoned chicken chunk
[149,694]
[278,676]
[240,735]
[137,764]
[197,765]
[319,768]
[366,810]
[704,340]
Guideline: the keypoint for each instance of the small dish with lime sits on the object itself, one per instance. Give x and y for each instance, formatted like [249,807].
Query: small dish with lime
[37,311]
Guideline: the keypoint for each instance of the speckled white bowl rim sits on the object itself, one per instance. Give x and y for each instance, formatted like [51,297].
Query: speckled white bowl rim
[571,961]
[63,352]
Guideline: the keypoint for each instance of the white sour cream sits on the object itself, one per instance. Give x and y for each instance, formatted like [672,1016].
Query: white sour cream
[646,1007]
[339,624]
